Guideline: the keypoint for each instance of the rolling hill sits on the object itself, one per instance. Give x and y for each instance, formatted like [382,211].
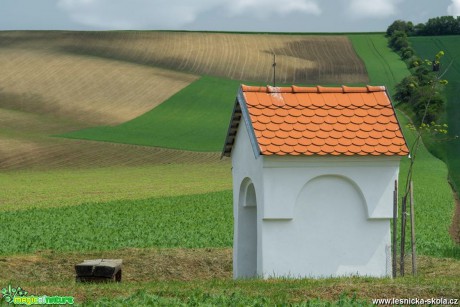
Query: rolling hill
[58,82]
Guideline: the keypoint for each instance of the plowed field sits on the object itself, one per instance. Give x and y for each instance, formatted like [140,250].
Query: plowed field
[56,82]
[300,58]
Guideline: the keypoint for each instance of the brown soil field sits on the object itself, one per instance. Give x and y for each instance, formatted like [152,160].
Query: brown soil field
[91,90]
[26,142]
[56,81]
[300,58]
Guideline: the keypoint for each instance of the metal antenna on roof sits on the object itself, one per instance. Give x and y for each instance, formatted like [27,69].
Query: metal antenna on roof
[274,70]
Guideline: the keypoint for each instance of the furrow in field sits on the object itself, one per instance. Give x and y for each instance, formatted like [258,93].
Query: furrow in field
[188,52]
[63,153]
[93,91]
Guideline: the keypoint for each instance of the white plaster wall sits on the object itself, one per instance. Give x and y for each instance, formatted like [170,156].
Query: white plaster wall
[247,172]
[284,177]
[327,216]
[330,234]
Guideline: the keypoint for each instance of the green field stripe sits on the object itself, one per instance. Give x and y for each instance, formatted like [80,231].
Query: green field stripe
[384,67]
[190,221]
[388,70]
[448,56]
[427,47]
[196,119]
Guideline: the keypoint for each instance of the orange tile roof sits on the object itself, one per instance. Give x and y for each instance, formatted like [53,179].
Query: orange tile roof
[318,121]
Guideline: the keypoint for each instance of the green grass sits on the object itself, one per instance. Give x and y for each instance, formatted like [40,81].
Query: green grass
[384,67]
[23,190]
[203,220]
[427,47]
[142,215]
[433,199]
[352,291]
[195,118]
[236,298]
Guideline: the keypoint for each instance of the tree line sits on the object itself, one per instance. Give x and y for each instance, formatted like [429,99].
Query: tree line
[417,90]
[443,25]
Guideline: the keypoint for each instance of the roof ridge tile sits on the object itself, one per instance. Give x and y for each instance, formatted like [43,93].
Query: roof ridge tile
[312,89]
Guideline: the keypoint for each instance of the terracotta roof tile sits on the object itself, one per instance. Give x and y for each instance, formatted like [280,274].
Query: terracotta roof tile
[267,112]
[268,134]
[304,142]
[372,142]
[282,134]
[362,134]
[369,120]
[335,134]
[292,142]
[330,120]
[258,126]
[277,120]
[331,141]
[323,120]
[292,120]
[343,120]
[358,142]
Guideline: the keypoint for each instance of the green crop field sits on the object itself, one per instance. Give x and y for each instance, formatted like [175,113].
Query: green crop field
[426,48]
[27,189]
[195,118]
[384,67]
[203,220]
[434,204]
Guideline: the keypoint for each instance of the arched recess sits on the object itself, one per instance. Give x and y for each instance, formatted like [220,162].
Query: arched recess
[331,213]
[246,228]
[336,184]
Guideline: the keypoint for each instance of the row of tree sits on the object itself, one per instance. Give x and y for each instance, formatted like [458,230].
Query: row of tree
[443,25]
[417,90]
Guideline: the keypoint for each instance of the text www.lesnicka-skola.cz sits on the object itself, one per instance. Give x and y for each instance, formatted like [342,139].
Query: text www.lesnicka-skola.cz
[415,301]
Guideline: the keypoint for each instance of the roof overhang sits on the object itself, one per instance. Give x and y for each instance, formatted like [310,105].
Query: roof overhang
[240,112]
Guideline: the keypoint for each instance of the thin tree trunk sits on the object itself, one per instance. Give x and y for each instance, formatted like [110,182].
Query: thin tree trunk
[395,228]
[412,229]
[403,235]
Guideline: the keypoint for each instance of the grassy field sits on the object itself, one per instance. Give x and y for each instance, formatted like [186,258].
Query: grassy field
[191,276]
[164,213]
[434,202]
[384,67]
[194,119]
[426,48]
[64,200]
[189,221]
[31,189]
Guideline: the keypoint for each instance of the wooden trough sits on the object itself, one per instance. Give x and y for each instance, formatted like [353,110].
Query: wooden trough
[99,270]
